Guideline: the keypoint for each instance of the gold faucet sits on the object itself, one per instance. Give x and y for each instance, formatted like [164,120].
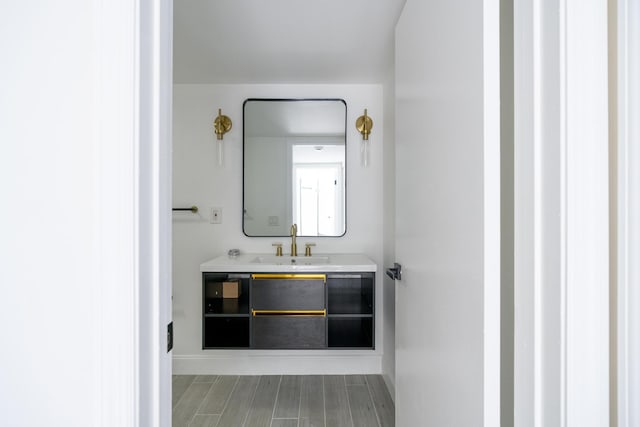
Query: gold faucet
[294,247]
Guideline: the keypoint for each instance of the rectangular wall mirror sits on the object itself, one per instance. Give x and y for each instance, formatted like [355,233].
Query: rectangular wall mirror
[294,162]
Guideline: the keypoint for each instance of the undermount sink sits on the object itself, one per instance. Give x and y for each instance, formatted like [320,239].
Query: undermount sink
[291,260]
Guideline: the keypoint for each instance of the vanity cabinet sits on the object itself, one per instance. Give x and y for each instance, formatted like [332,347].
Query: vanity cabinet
[290,311]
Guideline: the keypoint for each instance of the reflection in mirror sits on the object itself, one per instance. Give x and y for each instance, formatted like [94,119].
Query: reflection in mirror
[294,167]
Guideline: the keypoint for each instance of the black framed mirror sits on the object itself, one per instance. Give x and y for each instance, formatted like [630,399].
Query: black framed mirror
[294,167]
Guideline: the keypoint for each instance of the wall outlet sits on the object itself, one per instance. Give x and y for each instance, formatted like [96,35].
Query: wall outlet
[216,216]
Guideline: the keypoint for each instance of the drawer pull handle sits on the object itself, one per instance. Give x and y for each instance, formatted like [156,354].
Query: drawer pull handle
[289,312]
[322,277]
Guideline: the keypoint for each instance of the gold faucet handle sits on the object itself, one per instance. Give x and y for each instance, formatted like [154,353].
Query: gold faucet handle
[278,248]
[307,248]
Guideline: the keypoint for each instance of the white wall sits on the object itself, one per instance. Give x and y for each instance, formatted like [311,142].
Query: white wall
[198,180]
[268,157]
[83,218]
[46,271]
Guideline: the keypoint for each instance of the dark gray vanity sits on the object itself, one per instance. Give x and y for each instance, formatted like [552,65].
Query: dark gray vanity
[290,305]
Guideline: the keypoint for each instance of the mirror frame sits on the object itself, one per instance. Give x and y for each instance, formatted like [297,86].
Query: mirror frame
[244,131]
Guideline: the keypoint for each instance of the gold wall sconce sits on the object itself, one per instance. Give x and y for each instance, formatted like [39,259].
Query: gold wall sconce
[364,124]
[221,125]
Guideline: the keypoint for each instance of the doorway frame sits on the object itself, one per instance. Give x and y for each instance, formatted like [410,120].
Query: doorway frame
[625,100]
[561,231]
[155,90]
[133,98]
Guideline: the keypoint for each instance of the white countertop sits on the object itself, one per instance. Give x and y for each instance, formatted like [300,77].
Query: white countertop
[247,263]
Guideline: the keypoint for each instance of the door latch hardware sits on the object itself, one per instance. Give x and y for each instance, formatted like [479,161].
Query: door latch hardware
[169,337]
[395,273]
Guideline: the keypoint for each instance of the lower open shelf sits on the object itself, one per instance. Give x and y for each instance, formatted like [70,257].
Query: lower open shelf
[226,332]
[350,332]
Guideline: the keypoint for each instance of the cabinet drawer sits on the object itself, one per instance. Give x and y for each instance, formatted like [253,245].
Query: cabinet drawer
[288,331]
[288,291]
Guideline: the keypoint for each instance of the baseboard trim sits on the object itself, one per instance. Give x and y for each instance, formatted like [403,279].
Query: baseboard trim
[391,386]
[274,364]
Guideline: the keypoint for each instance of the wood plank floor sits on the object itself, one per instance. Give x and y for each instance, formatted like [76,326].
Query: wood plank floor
[281,401]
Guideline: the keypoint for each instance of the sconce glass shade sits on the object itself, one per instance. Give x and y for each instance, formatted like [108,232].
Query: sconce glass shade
[220,144]
[364,124]
[364,152]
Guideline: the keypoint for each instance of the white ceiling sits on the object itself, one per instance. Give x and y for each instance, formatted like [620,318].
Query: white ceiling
[283,41]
